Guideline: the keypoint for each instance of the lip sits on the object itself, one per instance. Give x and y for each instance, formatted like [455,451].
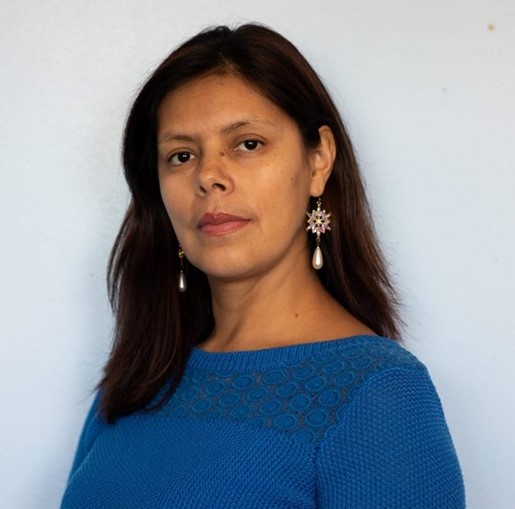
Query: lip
[220,223]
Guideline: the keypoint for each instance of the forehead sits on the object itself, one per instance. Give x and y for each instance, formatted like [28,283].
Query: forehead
[217,99]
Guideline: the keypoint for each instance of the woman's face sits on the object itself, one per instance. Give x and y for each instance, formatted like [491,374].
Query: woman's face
[235,178]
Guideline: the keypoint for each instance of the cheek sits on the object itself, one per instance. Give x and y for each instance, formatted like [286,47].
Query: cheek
[173,202]
[167,198]
[286,208]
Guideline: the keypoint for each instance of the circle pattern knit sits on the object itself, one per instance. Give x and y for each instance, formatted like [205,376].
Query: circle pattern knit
[304,397]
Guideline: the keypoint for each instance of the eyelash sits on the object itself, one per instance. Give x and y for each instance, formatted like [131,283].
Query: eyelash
[182,152]
[251,140]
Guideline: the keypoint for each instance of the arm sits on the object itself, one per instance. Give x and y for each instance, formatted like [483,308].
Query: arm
[93,425]
[392,450]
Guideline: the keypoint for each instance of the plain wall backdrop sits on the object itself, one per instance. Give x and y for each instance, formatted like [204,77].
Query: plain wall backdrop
[428,92]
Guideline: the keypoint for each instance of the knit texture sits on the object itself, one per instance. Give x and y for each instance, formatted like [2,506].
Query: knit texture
[348,423]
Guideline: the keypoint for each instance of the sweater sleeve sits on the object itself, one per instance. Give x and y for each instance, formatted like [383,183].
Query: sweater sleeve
[92,426]
[391,450]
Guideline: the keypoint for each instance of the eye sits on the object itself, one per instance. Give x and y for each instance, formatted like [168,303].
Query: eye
[180,157]
[249,145]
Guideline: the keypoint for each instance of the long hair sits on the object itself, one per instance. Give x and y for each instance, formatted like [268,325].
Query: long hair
[156,326]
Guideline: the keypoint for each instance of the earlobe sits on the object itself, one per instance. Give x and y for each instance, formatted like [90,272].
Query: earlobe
[322,160]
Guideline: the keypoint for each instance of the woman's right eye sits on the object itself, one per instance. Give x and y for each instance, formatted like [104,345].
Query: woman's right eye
[180,157]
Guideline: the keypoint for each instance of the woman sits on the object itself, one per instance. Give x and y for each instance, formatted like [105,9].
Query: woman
[256,361]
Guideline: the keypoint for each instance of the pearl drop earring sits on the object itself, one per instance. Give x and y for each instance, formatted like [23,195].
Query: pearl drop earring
[318,222]
[181,283]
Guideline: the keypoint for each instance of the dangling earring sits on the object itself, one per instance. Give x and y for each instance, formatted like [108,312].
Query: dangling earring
[181,283]
[318,222]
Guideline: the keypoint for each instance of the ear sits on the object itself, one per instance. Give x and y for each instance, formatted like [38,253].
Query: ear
[322,160]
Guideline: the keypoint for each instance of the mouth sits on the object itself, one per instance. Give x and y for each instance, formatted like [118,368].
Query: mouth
[220,223]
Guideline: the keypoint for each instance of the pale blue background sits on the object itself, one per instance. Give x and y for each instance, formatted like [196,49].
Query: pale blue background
[428,92]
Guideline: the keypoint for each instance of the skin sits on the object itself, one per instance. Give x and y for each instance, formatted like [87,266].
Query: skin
[248,159]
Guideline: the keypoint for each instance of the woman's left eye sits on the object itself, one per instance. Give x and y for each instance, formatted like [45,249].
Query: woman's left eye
[249,145]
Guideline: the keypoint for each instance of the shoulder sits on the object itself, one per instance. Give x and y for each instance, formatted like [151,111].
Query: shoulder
[373,366]
[320,388]
[368,354]
[350,365]
[389,435]
[389,445]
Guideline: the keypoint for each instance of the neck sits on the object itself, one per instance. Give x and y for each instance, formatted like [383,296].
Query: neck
[287,305]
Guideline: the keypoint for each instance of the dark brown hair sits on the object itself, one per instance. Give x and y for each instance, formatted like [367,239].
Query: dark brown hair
[156,327]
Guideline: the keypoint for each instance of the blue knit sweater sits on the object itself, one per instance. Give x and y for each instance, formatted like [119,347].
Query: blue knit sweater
[352,423]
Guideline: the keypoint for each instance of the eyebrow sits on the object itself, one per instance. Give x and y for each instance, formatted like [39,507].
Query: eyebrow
[171,136]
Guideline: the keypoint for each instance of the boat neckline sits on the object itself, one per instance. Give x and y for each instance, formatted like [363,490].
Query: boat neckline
[275,355]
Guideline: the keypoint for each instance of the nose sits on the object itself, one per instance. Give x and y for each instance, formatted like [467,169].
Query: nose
[213,175]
